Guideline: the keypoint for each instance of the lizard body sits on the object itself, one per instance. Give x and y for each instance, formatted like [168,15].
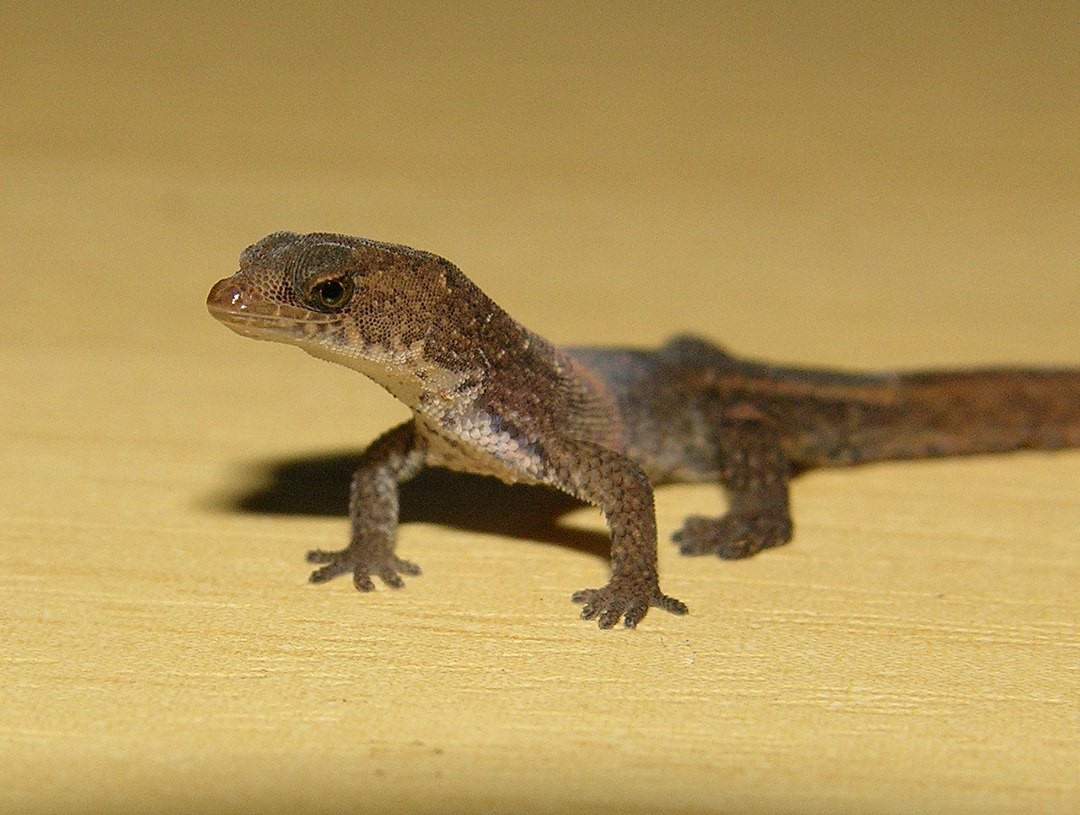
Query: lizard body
[490,397]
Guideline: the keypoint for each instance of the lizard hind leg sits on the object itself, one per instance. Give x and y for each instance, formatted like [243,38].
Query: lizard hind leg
[755,473]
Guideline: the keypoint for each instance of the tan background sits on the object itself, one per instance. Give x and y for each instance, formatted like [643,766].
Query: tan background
[864,188]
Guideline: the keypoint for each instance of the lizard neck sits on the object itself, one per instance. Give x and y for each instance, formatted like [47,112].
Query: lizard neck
[409,374]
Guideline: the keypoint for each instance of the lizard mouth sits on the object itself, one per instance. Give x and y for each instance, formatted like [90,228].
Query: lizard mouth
[250,314]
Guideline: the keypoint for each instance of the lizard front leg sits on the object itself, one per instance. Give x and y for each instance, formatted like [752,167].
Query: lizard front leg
[621,489]
[755,472]
[393,458]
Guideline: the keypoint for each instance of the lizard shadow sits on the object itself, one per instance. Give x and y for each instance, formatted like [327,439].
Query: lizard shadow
[318,485]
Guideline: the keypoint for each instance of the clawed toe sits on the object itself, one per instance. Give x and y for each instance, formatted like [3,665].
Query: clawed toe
[733,536]
[363,565]
[616,601]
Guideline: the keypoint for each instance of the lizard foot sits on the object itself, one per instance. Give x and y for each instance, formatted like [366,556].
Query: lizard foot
[363,564]
[624,600]
[733,536]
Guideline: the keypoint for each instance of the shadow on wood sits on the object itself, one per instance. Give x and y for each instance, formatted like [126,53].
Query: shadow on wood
[319,486]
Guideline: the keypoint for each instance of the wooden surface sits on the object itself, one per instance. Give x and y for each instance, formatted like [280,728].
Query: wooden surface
[855,188]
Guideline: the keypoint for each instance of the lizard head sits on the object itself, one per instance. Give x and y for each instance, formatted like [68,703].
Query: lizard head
[406,318]
[289,288]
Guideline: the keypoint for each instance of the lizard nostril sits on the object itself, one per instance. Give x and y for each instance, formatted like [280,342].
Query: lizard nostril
[228,296]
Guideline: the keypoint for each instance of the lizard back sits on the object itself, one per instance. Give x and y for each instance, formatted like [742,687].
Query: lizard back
[673,400]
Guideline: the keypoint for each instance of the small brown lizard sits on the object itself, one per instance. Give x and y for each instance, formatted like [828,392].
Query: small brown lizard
[488,396]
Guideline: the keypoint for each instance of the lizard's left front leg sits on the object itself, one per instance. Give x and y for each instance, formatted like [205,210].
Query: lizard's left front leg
[621,489]
[755,471]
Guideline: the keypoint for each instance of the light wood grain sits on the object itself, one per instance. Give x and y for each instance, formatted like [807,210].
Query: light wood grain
[836,186]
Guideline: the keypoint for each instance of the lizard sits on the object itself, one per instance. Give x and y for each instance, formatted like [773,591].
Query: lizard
[606,425]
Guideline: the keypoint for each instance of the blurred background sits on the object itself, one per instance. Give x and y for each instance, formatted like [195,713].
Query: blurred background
[790,178]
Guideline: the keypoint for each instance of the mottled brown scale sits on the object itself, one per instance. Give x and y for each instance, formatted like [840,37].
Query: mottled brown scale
[604,425]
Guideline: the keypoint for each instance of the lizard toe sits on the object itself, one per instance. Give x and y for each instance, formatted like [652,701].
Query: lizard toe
[363,565]
[734,536]
[621,601]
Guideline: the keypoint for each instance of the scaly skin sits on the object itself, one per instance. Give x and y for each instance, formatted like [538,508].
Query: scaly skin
[604,425]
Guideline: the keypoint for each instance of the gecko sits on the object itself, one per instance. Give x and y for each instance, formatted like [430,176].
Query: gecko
[606,425]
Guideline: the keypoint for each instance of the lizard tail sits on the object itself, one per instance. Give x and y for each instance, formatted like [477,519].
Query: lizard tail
[989,411]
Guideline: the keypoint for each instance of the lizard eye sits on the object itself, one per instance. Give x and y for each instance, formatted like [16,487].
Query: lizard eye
[332,294]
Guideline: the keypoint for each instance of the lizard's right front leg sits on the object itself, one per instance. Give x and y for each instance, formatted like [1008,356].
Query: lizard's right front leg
[393,458]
